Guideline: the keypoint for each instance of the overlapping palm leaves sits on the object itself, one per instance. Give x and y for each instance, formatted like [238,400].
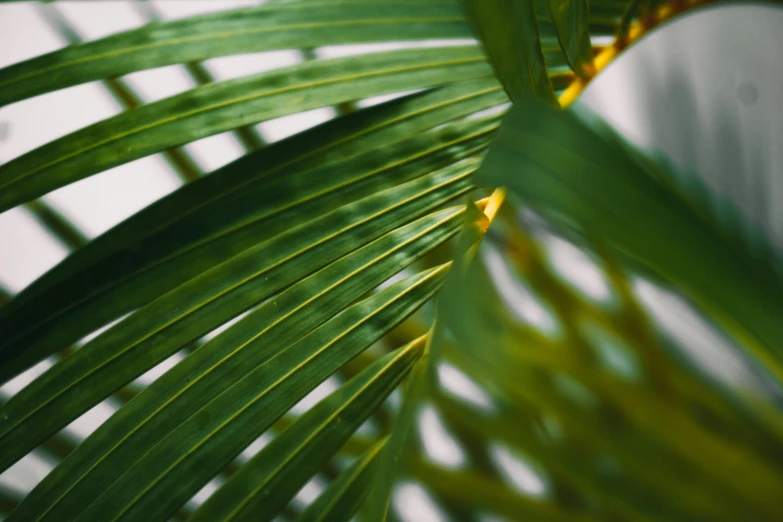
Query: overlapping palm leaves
[302,237]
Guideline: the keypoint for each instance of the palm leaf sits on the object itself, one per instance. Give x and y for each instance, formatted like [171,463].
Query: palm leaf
[171,248]
[177,467]
[246,345]
[163,327]
[571,19]
[276,25]
[345,495]
[509,31]
[276,473]
[219,107]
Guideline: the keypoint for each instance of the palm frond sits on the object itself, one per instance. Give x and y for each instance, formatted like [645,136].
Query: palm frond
[367,253]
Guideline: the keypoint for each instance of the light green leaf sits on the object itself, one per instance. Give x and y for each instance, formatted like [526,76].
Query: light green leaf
[211,109]
[571,18]
[657,441]
[276,25]
[467,488]
[509,31]
[266,483]
[160,480]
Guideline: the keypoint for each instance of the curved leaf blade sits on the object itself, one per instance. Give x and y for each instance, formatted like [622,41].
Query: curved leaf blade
[246,219]
[328,143]
[420,383]
[161,328]
[215,108]
[510,34]
[571,19]
[174,469]
[345,495]
[265,484]
[212,368]
[274,26]
[587,178]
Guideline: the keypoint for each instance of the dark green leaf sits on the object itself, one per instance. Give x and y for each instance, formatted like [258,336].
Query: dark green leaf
[158,330]
[165,477]
[378,502]
[213,368]
[591,180]
[276,25]
[221,228]
[419,385]
[509,31]
[328,143]
[219,107]
[571,18]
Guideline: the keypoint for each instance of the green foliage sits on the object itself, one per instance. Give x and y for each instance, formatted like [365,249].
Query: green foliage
[371,251]
[269,27]
[571,19]
[223,106]
[556,160]
[510,34]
